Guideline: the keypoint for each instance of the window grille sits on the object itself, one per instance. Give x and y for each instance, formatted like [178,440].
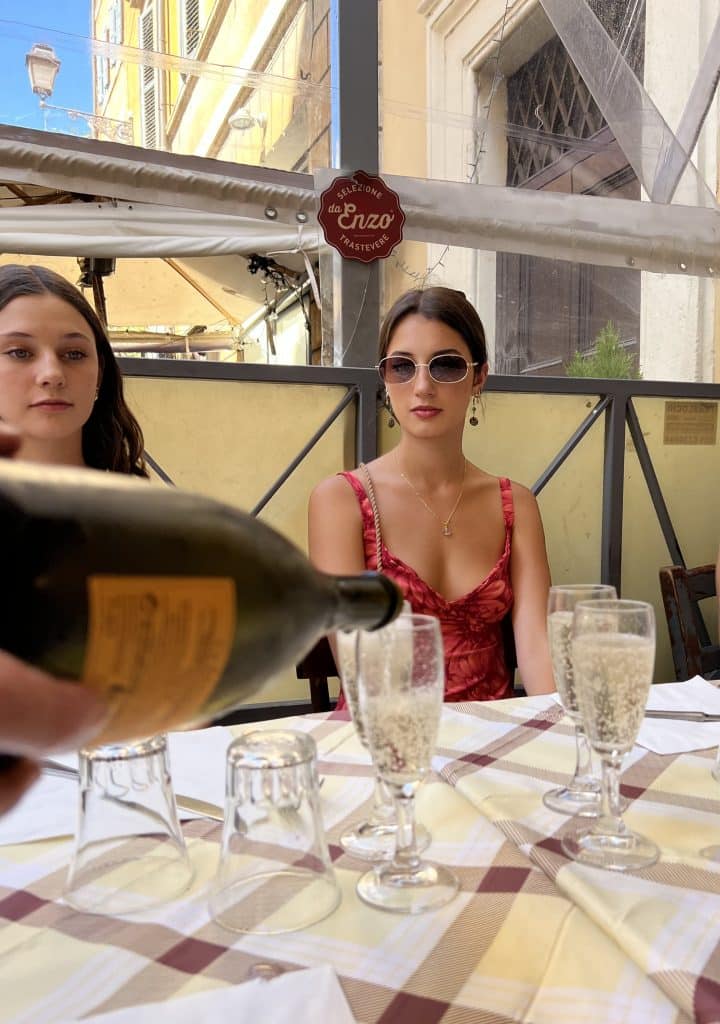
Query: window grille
[546,310]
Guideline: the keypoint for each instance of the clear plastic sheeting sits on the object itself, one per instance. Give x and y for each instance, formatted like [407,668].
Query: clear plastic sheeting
[590,229]
[246,87]
[593,96]
[638,126]
[558,318]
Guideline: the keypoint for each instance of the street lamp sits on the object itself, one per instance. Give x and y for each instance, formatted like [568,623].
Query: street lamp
[243,120]
[42,65]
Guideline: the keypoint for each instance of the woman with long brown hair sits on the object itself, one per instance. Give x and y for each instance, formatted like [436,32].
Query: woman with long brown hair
[465,546]
[60,384]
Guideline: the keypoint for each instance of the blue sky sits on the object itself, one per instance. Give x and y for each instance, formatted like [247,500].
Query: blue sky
[65,25]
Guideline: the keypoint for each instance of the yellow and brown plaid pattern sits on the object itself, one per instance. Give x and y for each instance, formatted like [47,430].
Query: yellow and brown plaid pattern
[530,938]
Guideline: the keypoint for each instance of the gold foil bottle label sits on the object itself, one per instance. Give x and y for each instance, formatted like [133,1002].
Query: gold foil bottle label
[156,648]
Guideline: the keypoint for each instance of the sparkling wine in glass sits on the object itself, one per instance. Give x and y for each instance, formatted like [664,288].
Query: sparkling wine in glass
[373,839]
[581,795]
[613,651]
[401,677]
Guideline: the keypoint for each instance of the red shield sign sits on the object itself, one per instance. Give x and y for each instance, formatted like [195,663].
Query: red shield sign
[361,217]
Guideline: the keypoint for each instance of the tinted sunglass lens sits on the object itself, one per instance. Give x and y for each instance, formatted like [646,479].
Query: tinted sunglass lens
[398,370]
[448,369]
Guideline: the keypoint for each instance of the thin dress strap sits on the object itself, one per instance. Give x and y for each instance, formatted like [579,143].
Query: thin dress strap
[371,539]
[506,497]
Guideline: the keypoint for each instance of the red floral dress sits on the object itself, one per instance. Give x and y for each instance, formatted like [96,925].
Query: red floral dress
[475,667]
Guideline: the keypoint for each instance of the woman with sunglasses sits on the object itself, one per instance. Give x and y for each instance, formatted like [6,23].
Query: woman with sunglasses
[463,545]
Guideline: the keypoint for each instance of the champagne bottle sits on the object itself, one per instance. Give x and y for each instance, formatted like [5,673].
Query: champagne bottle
[172,606]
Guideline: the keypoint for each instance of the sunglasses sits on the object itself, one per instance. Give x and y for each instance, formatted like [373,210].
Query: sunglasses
[446,368]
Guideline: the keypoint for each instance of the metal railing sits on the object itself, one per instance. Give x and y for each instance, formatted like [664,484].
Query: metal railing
[614,406]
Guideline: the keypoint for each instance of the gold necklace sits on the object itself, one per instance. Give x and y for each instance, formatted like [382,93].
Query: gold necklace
[444,523]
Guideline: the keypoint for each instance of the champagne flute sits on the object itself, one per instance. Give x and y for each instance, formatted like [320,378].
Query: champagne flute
[401,678]
[613,652]
[581,795]
[372,840]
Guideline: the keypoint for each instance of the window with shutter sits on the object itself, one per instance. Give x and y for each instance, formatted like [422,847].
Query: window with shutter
[148,78]
[99,80]
[191,27]
[116,26]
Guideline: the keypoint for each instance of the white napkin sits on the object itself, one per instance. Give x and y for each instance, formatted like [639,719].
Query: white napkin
[675,736]
[49,808]
[314,994]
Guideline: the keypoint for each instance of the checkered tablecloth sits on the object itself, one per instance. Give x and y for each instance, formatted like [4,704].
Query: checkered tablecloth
[530,938]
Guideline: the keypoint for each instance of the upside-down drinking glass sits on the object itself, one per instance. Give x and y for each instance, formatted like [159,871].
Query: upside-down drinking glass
[129,852]
[581,795]
[613,650]
[401,677]
[372,840]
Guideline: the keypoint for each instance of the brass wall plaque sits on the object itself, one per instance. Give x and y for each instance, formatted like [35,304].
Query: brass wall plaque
[690,423]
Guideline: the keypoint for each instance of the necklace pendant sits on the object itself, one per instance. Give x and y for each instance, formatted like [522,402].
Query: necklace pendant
[446,531]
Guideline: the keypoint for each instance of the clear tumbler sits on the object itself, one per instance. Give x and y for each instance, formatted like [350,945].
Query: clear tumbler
[129,850]
[275,873]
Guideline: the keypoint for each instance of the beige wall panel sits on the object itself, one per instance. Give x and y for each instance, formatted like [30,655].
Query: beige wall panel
[231,440]
[689,477]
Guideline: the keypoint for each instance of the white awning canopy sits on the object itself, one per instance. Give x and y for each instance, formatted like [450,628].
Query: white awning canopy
[170,206]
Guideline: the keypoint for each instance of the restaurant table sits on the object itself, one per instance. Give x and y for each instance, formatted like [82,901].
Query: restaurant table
[531,937]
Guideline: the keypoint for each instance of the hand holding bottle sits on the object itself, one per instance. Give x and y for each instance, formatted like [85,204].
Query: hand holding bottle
[40,713]
[173,607]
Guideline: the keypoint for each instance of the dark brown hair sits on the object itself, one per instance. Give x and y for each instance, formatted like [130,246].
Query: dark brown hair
[111,438]
[444,304]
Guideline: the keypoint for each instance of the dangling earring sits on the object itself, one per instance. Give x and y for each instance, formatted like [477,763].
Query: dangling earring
[473,421]
[389,408]
[97,392]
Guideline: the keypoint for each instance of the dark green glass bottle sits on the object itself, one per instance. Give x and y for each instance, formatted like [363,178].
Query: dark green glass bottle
[173,606]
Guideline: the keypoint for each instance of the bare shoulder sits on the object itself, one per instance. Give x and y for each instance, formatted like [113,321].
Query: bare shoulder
[527,511]
[335,534]
[334,493]
[523,497]
[332,487]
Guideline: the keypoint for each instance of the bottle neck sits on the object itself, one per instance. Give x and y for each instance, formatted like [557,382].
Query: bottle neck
[368,601]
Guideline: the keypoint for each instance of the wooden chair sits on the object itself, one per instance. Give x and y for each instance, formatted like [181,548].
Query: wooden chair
[316,666]
[682,589]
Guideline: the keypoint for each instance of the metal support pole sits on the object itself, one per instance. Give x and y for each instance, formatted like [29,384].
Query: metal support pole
[347,398]
[354,146]
[653,485]
[157,468]
[570,445]
[612,494]
[366,433]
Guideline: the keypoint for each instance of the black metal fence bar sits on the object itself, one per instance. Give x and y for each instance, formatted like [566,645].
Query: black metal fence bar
[612,493]
[157,468]
[653,485]
[366,440]
[570,445]
[290,469]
